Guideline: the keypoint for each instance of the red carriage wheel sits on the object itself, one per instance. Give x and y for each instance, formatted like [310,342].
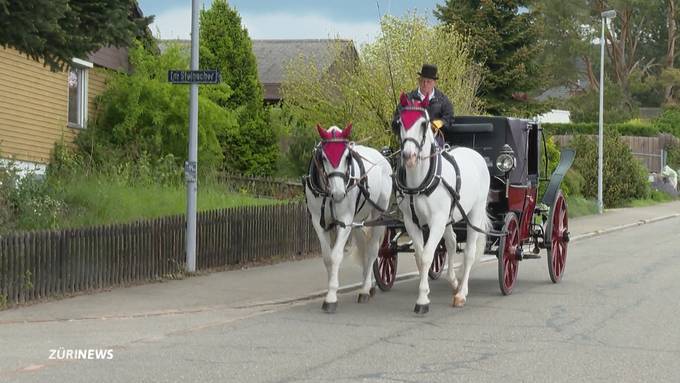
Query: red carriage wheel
[557,235]
[438,261]
[385,266]
[508,263]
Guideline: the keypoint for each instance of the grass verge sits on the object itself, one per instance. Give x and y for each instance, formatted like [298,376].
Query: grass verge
[579,206]
[95,201]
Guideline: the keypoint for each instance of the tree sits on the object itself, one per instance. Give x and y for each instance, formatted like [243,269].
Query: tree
[56,31]
[144,115]
[672,36]
[252,147]
[504,35]
[363,88]
[640,45]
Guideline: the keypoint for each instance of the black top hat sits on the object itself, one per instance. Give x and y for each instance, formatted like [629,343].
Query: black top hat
[429,71]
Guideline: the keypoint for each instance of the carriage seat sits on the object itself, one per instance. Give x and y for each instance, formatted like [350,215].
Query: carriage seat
[486,127]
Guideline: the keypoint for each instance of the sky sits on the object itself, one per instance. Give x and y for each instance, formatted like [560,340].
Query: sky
[289,19]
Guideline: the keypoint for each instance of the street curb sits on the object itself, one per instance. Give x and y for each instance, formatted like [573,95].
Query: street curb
[483,260]
[641,222]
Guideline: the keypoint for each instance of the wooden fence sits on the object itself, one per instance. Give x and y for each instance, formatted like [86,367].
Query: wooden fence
[263,187]
[37,265]
[649,150]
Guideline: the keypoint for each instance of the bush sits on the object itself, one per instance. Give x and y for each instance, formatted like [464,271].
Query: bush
[673,159]
[573,182]
[629,128]
[625,178]
[27,202]
[586,107]
[669,121]
[8,179]
[553,161]
[142,114]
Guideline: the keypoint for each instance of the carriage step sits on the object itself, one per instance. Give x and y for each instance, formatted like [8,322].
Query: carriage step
[531,256]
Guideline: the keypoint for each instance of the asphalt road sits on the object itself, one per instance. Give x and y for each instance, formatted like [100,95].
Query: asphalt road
[614,318]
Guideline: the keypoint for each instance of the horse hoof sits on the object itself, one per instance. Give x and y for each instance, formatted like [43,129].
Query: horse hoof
[329,307]
[363,298]
[421,309]
[458,301]
[371,292]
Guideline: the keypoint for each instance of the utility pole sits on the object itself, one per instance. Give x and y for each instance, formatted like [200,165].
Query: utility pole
[191,166]
[600,138]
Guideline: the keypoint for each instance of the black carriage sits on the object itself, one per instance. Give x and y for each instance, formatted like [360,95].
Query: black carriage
[512,150]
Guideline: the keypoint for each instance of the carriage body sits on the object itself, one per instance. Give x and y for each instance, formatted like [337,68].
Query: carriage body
[512,191]
[513,201]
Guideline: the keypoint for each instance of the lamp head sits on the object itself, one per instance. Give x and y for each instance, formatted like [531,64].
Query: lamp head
[609,14]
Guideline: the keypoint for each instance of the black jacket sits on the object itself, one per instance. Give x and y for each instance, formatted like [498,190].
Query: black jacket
[439,108]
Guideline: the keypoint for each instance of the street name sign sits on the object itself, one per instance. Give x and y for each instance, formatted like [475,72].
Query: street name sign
[209,76]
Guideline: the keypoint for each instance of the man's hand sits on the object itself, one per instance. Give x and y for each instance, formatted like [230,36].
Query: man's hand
[437,124]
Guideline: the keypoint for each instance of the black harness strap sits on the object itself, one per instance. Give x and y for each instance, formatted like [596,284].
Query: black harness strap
[312,181]
[455,196]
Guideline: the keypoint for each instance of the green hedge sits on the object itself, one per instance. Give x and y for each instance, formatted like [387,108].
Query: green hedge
[624,177]
[633,128]
[667,122]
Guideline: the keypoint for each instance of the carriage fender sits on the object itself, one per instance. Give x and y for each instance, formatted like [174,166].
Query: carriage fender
[567,156]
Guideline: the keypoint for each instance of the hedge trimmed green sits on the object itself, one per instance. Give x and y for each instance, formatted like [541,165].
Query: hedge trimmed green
[634,128]
[624,177]
[667,122]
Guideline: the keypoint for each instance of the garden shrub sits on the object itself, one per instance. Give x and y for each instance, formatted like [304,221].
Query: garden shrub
[669,121]
[624,177]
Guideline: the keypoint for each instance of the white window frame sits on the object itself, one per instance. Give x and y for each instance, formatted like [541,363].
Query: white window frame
[84,67]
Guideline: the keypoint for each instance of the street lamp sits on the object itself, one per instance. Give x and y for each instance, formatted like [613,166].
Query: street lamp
[600,205]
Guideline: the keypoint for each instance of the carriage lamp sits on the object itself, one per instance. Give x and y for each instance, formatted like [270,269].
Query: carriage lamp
[506,159]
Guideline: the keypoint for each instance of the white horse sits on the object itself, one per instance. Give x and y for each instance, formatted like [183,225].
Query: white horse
[347,184]
[430,183]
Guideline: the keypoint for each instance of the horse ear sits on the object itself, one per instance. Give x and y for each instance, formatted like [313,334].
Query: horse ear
[347,131]
[323,133]
[403,99]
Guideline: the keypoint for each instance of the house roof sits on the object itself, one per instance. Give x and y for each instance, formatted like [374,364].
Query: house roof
[116,57]
[274,55]
[111,57]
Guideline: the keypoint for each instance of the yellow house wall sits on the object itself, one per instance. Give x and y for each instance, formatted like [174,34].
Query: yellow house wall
[34,106]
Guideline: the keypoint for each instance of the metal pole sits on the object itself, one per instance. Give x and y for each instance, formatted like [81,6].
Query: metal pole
[190,167]
[600,204]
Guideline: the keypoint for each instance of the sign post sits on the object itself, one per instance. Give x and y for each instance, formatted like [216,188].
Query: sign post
[193,77]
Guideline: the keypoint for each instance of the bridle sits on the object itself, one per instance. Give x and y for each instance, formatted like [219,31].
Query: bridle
[423,126]
[324,177]
[317,180]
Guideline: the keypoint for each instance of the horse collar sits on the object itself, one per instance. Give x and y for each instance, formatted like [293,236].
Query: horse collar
[430,182]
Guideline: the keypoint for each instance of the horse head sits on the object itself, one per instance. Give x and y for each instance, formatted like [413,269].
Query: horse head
[415,133]
[335,159]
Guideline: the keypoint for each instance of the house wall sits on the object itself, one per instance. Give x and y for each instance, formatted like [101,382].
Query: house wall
[34,106]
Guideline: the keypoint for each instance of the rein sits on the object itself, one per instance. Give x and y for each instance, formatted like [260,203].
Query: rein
[430,184]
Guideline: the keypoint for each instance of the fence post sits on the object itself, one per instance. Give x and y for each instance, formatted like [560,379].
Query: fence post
[663,158]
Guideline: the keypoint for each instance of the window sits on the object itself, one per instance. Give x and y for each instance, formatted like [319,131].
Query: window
[77,93]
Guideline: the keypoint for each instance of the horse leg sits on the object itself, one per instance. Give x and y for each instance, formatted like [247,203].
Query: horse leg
[377,234]
[326,246]
[474,246]
[450,240]
[333,266]
[416,236]
[359,239]
[436,231]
